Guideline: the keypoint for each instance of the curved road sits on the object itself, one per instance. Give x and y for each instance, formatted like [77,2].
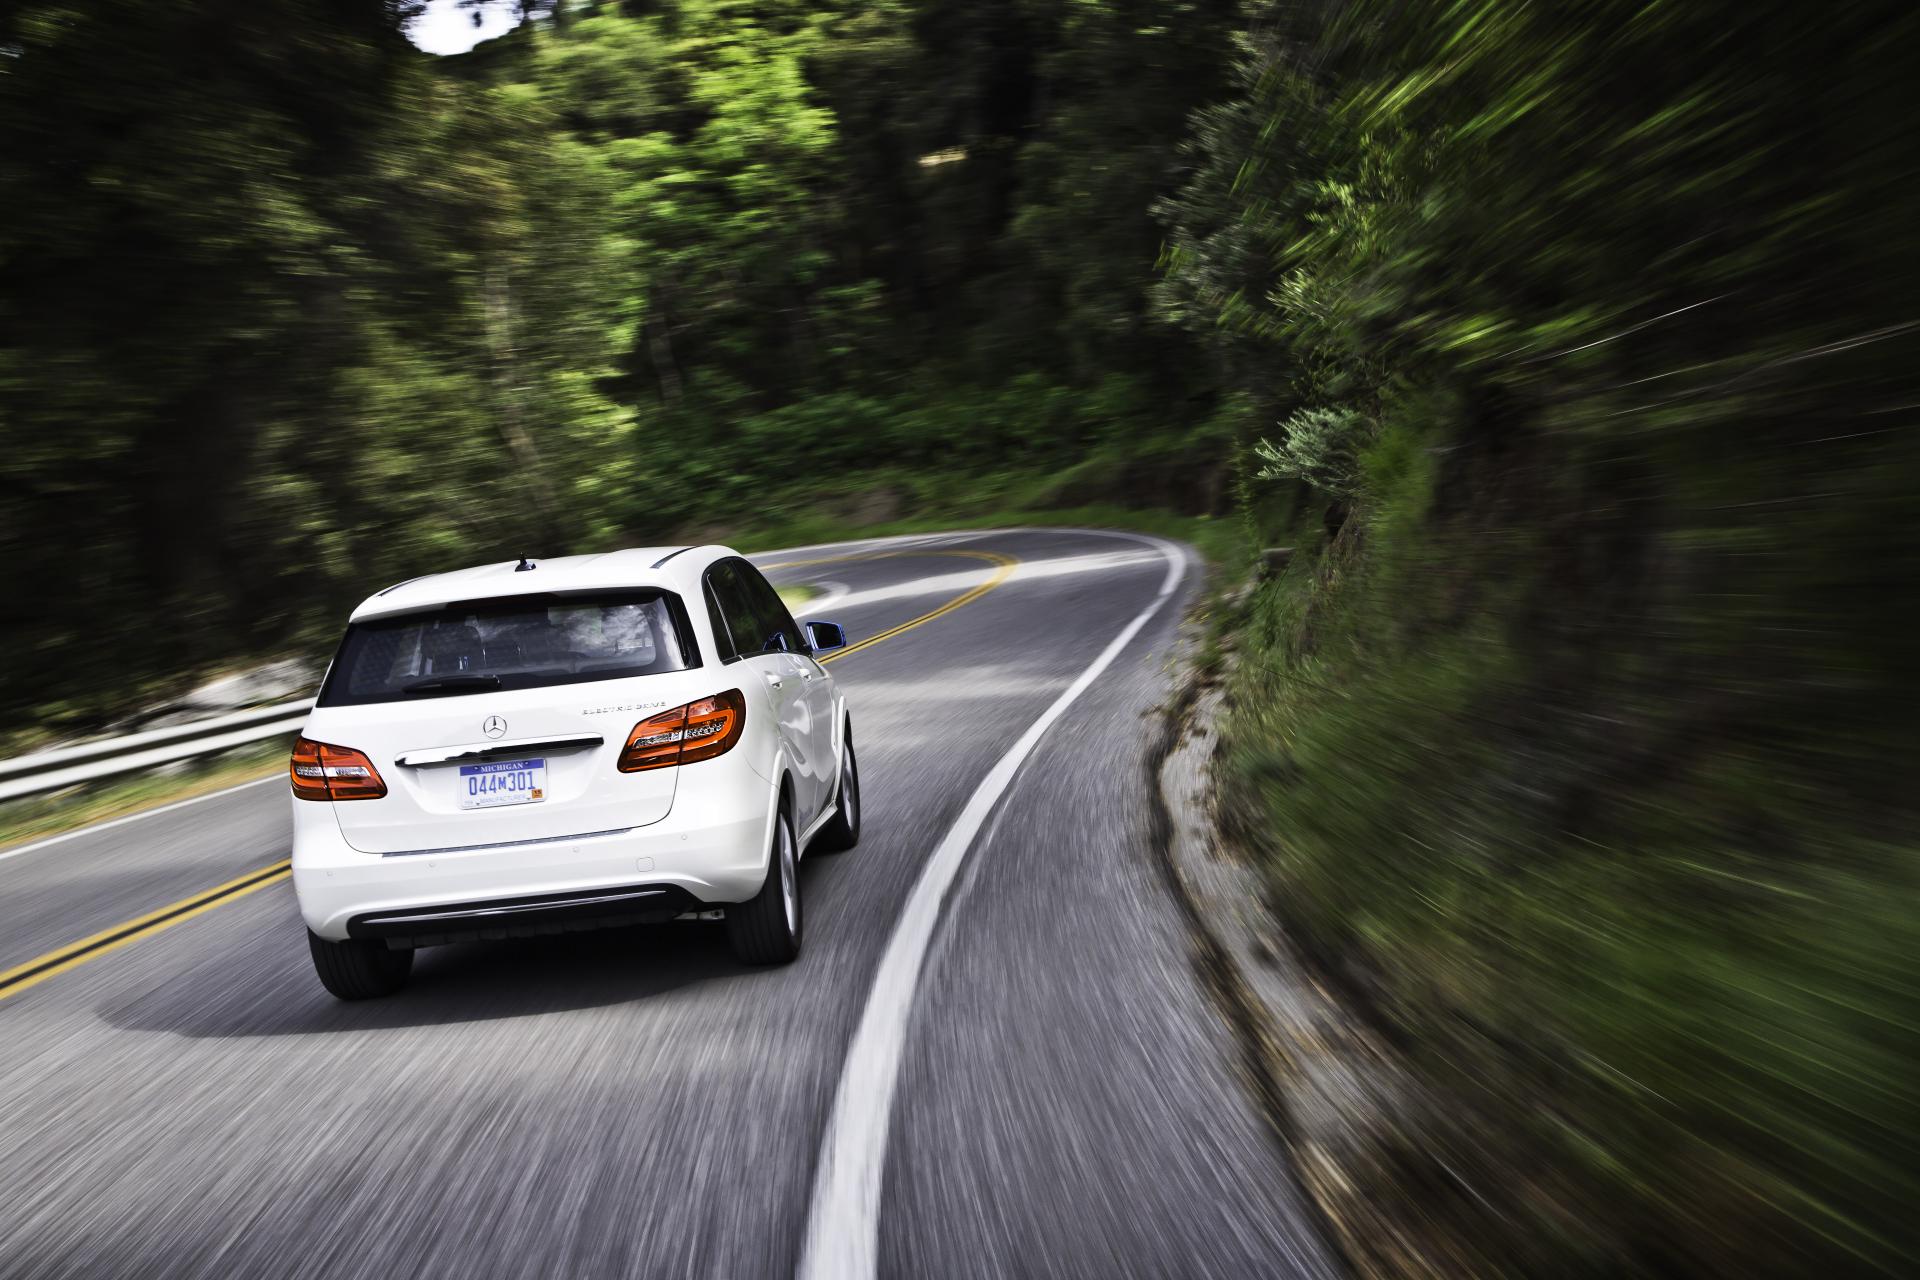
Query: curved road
[1063,1099]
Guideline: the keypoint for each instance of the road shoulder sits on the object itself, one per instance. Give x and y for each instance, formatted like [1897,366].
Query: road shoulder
[1329,1089]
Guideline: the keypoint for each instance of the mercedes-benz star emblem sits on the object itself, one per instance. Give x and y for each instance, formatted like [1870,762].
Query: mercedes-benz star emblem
[493,726]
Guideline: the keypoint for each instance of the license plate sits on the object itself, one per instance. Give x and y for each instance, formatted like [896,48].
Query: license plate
[485,786]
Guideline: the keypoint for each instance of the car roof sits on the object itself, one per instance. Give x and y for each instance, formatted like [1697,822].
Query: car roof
[672,567]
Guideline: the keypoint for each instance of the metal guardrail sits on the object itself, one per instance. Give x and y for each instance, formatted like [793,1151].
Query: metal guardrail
[89,761]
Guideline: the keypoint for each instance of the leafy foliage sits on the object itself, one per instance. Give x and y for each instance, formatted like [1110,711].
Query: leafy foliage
[1575,740]
[289,310]
[1319,446]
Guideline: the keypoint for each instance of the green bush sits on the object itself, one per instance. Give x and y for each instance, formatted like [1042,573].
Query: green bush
[1576,739]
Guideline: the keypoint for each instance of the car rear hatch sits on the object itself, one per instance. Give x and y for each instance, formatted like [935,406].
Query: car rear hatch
[471,761]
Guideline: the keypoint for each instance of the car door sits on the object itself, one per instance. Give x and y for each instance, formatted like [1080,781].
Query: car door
[762,645]
[816,686]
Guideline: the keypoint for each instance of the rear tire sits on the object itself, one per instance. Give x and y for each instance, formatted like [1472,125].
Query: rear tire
[843,828]
[357,969]
[765,929]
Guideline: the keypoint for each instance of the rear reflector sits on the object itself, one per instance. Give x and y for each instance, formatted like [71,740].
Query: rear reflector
[321,771]
[700,730]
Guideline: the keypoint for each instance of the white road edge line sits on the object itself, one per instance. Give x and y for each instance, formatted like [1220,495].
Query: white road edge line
[893,540]
[77,832]
[831,593]
[842,1240]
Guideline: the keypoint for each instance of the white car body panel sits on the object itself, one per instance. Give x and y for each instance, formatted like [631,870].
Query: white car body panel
[704,827]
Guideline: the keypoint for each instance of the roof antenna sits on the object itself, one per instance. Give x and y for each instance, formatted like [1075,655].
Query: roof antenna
[524,565]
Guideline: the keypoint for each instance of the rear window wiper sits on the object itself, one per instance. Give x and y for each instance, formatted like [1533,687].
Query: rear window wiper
[451,684]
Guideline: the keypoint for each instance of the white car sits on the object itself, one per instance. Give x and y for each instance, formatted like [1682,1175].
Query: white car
[543,747]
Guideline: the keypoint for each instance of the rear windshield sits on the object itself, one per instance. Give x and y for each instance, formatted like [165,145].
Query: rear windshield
[522,642]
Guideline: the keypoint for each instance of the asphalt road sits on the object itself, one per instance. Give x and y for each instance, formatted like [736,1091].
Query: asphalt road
[634,1103]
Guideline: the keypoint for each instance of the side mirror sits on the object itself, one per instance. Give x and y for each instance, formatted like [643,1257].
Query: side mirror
[826,635]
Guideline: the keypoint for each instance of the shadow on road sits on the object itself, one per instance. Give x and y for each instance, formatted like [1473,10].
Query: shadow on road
[450,985]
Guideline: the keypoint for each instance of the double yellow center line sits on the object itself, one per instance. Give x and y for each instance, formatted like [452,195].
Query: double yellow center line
[74,954]
[1003,571]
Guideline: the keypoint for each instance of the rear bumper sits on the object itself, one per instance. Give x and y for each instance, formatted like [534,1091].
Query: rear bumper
[492,919]
[683,862]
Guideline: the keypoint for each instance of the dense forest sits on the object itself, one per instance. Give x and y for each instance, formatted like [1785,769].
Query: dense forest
[291,310]
[1572,347]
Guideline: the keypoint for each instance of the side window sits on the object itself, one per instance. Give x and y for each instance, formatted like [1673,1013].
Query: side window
[774,611]
[739,608]
[756,620]
[722,634]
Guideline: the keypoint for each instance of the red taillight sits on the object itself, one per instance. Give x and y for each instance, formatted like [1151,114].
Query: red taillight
[701,730]
[321,771]
[655,742]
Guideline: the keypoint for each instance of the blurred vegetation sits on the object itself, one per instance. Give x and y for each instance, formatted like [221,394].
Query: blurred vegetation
[1577,736]
[290,310]
[1573,345]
